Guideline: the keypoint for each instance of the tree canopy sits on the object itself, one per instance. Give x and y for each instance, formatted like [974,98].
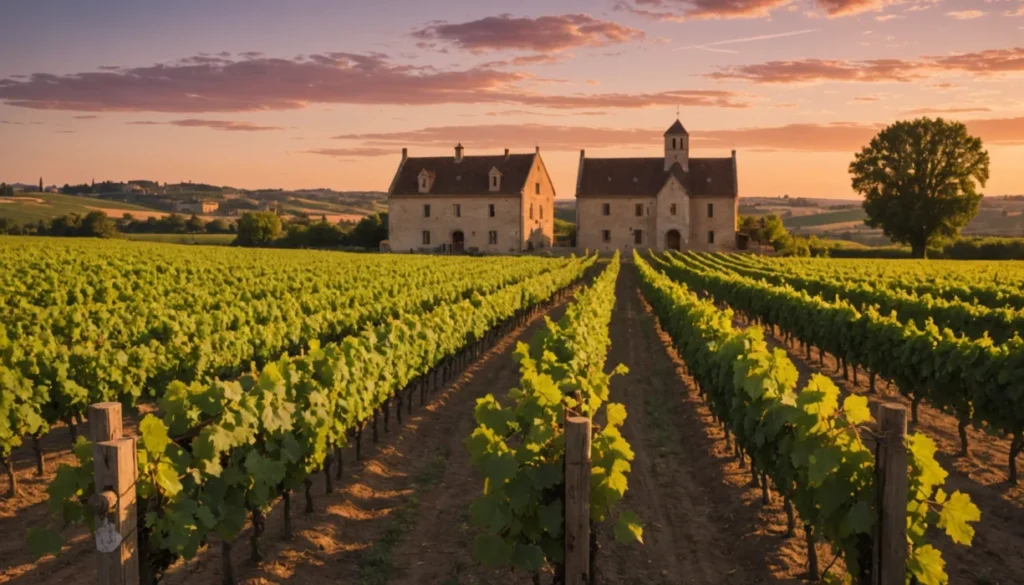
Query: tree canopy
[920,180]
[255,229]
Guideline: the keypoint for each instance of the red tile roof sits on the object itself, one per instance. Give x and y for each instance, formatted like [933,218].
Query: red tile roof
[707,177]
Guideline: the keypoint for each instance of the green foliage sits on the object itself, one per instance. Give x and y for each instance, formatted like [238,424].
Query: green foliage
[520,449]
[257,229]
[222,450]
[807,440]
[920,180]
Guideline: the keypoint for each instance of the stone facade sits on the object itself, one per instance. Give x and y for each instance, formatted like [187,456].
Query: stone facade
[667,202]
[492,204]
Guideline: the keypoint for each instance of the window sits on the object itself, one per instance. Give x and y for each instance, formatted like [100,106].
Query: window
[711,237]
[494,181]
[492,237]
[426,210]
[672,209]
[638,237]
[457,209]
[531,211]
[536,188]
[426,238]
[639,209]
[673,144]
[606,209]
[542,212]
[423,184]
[606,235]
[711,210]
[490,210]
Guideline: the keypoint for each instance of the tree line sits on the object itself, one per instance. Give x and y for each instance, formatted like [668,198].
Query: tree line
[264,229]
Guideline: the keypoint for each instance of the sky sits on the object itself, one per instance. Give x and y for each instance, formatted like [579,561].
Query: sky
[326,93]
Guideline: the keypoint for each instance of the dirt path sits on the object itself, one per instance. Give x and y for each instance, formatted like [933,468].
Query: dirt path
[702,522]
[995,557]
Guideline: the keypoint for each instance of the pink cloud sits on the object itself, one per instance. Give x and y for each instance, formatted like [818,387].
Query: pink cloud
[952,110]
[981,63]
[262,83]
[682,10]
[544,33]
[830,137]
[346,152]
[965,14]
[223,125]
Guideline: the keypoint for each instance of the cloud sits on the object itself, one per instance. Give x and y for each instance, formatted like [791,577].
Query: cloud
[951,110]
[551,114]
[343,152]
[981,63]
[965,14]
[223,125]
[868,99]
[885,17]
[683,10]
[830,137]
[262,84]
[544,33]
[86,117]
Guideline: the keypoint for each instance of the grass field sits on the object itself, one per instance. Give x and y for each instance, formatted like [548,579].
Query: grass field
[827,218]
[31,207]
[204,239]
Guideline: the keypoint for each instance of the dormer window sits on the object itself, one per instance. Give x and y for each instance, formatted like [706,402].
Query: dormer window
[494,178]
[426,180]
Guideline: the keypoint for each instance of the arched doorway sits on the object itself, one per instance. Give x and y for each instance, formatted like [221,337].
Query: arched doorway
[458,241]
[673,241]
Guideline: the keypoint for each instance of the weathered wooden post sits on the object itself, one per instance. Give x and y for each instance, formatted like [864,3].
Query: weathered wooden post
[116,470]
[893,485]
[577,500]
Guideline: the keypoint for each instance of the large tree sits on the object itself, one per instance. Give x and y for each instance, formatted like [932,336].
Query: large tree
[920,180]
[257,229]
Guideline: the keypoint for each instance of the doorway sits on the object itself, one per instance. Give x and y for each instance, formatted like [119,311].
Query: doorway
[458,242]
[672,240]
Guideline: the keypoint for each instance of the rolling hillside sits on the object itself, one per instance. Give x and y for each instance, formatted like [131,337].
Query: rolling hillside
[31,207]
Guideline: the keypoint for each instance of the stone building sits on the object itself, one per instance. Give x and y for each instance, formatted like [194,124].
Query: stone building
[670,202]
[496,204]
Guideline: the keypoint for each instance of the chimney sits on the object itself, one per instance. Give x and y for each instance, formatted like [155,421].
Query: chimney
[583,154]
[734,155]
[405,154]
[506,154]
[538,150]
[458,152]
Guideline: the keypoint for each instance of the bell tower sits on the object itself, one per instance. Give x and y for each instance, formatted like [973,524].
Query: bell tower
[677,146]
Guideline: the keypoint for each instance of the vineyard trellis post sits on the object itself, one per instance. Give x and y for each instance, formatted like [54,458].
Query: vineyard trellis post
[116,471]
[577,500]
[893,484]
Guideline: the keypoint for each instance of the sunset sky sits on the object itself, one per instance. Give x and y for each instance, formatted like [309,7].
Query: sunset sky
[318,93]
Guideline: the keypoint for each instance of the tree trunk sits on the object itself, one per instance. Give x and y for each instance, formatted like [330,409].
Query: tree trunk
[227,571]
[812,554]
[308,483]
[962,429]
[919,251]
[287,497]
[398,407]
[359,444]
[258,524]
[387,414]
[376,437]
[328,486]
[337,457]
[12,478]
[913,407]
[766,495]
[1015,448]
[38,448]
[871,381]
[790,518]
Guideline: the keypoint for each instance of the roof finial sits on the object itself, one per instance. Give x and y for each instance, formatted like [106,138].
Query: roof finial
[677,111]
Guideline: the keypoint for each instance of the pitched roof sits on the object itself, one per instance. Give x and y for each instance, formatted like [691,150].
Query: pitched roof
[707,177]
[471,176]
[676,128]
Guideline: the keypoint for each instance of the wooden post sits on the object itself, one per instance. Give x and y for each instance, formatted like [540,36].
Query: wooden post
[116,469]
[577,500]
[891,466]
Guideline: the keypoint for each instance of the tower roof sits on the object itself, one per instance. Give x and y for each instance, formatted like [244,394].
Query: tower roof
[676,128]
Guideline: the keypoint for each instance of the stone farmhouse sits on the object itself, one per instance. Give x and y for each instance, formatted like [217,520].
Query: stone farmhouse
[671,202]
[493,204]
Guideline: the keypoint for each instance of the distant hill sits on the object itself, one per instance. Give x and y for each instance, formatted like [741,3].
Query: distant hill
[334,205]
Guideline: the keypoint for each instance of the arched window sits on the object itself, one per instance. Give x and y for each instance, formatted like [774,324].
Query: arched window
[673,144]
